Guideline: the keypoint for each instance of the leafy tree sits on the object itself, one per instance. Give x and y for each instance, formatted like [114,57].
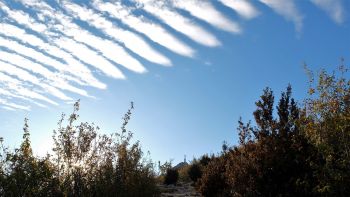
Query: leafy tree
[272,158]
[326,122]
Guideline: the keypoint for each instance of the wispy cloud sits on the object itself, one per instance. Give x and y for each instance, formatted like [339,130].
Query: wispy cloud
[13,106]
[107,48]
[78,70]
[288,9]
[55,79]
[26,76]
[152,30]
[34,54]
[243,7]
[30,23]
[334,8]
[12,96]
[90,57]
[47,49]
[51,52]
[8,108]
[179,22]
[131,40]
[67,27]
[18,88]
[205,11]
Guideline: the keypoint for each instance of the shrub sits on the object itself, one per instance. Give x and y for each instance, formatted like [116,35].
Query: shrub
[205,159]
[213,181]
[84,163]
[171,177]
[183,174]
[195,172]
[272,158]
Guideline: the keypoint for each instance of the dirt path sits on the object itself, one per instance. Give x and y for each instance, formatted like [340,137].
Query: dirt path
[181,189]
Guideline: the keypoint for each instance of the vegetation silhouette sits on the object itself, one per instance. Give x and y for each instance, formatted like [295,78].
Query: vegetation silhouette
[304,151]
[171,176]
[299,150]
[83,163]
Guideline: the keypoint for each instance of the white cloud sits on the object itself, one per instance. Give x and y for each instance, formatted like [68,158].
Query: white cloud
[243,7]
[30,23]
[152,30]
[10,105]
[334,9]
[16,86]
[90,57]
[22,17]
[54,79]
[42,59]
[76,68]
[26,76]
[30,52]
[131,40]
[66,26]
[179,23]
[205,11]
[288,10]
[107,48]
[47,51]
[11,95]
[8,108]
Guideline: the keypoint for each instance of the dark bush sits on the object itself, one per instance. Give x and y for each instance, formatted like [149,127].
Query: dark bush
[171,177]
[213,181]
[272,158]
[195,172]
[83,163]
[204,160]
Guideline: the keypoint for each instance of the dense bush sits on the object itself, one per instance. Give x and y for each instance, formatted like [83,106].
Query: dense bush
[271,158]
[183,174]
[205,159]
[302,152]
[213,181]
[83,164]
[171,176]
[195,172]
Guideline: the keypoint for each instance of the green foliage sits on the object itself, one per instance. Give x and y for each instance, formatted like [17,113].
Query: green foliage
[326,122]
[83,163]
[171,176]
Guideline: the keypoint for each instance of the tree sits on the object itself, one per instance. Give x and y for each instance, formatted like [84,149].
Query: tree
[272,158]
[326,122]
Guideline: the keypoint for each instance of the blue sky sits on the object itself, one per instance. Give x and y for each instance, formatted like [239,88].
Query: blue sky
[191,67]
